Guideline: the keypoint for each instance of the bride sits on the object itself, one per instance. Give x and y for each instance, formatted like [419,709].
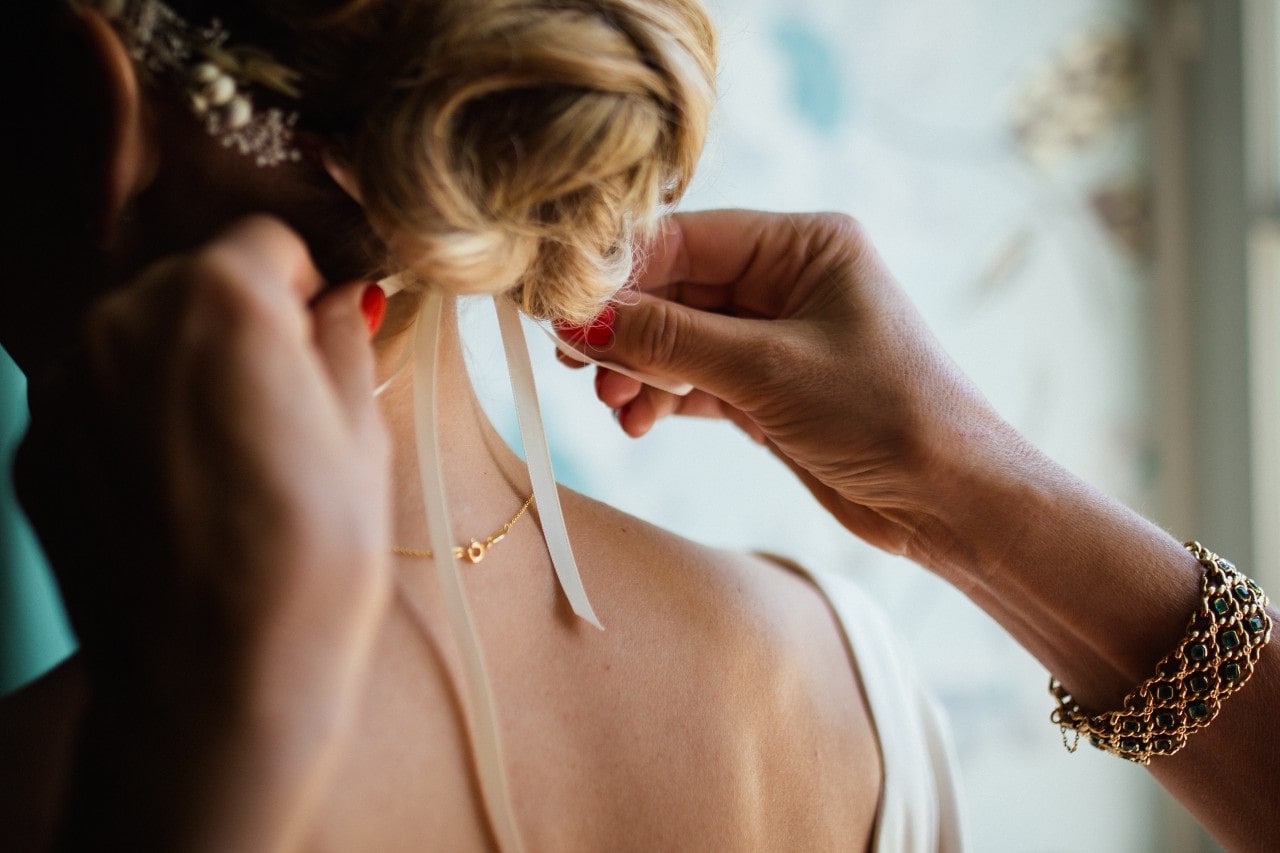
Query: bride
[273,651]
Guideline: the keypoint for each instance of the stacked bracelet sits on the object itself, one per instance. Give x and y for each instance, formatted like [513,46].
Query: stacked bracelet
[1223,641]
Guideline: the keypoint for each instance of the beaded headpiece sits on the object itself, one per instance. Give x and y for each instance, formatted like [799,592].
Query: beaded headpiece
[216,77]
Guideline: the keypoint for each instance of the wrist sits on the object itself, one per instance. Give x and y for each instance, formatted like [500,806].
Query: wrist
[1062,566]
[982,490]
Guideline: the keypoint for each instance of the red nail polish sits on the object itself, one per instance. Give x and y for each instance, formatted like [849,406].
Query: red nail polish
[373,302]
[599,381]
[596,334]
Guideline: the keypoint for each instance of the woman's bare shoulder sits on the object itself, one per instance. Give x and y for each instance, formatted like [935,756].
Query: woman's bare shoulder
[766,597]
[769,661]
[37,734]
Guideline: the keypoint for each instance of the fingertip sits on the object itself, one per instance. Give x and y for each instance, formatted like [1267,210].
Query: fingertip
[616,390]
[337,301]
[623,417]
[636,418]
[341,336]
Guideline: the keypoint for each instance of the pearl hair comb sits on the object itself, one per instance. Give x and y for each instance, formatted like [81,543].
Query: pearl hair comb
[216,77]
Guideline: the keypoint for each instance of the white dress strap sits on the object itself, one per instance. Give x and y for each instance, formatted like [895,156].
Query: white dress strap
[919,804]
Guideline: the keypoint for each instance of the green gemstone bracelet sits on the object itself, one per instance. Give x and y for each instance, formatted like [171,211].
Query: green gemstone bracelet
[1223,641]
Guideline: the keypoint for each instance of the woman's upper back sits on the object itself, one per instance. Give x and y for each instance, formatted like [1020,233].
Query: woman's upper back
[719,710]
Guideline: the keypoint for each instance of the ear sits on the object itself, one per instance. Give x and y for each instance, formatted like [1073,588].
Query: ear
[130,155]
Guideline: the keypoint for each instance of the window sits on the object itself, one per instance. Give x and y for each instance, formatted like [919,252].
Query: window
[1262,124]
[1217,305]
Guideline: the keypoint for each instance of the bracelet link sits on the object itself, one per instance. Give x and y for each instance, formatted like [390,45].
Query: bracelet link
[1216,658]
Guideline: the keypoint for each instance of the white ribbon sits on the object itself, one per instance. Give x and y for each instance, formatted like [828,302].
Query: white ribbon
[485,736]
[538,459]
[486,739]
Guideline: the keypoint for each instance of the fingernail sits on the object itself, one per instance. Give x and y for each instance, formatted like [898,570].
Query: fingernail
[596,334]
[373,303]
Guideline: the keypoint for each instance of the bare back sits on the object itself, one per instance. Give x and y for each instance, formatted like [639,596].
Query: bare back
[718,711]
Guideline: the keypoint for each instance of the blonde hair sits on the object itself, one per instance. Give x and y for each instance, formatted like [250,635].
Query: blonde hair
[521,146]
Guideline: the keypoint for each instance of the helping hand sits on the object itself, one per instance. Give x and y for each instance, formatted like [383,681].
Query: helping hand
[792,328]
[209,478]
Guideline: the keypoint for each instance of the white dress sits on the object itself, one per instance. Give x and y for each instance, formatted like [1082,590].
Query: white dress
[919,801]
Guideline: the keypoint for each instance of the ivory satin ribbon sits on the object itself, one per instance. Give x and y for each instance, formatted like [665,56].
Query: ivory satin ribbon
[483,727]
[394,284]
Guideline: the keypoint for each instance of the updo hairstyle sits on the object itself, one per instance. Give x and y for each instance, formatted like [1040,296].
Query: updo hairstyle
[503,145]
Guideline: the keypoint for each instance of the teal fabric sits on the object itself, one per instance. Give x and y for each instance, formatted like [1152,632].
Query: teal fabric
[34,635]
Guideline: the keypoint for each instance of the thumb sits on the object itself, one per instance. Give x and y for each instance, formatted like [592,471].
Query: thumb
[716,353]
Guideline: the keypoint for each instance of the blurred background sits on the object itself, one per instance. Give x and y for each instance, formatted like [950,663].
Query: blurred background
[1084,199]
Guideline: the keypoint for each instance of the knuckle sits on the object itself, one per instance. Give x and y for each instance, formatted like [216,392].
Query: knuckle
[657,334]
[260,234]
[270,226]
[843,226]
[773,360]
[258,231]
[220,289]
[847,250]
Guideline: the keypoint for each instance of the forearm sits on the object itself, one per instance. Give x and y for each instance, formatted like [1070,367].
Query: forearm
[1095,591]
[1100,595]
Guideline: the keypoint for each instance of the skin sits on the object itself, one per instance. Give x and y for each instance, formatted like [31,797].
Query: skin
[256,670]
[792,327]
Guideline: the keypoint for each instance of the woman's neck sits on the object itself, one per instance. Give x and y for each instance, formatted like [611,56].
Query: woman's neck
[485,481]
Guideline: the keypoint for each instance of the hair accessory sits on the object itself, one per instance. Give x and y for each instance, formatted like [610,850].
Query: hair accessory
[476,551]
[1223,641]
[215,76]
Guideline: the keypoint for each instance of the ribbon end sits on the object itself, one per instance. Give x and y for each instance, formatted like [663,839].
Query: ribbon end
[590,618]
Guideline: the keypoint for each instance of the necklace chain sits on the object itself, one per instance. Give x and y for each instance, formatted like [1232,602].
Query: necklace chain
[475,551]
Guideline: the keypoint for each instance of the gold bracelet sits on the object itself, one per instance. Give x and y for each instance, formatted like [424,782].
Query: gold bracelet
[1223,641]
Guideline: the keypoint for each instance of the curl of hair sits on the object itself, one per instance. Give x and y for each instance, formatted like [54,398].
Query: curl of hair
[522,146]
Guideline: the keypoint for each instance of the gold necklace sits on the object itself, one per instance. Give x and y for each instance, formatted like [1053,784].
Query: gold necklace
[475,552]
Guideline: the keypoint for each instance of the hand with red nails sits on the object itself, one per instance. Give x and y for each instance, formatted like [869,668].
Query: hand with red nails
[231,561]
[792,327]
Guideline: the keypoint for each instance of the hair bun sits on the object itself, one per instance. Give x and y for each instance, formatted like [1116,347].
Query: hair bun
[529,144]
